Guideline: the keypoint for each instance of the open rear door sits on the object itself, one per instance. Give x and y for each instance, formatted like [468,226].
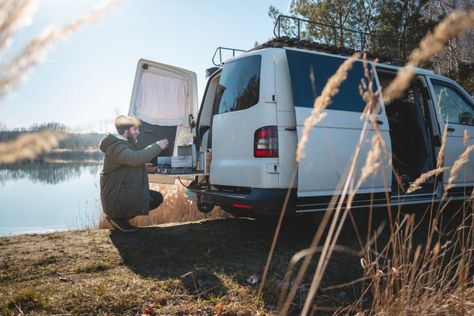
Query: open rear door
[164,98]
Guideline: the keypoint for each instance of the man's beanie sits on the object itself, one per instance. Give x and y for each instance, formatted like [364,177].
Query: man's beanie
[123,123]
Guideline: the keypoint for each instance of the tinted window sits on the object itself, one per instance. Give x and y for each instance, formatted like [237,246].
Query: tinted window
[454,107]
[239,85]
[305,66]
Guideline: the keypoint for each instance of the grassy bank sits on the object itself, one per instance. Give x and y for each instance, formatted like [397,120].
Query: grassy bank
[204,267]
[209,267]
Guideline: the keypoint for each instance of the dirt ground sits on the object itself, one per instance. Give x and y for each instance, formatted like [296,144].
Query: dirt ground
[196,268]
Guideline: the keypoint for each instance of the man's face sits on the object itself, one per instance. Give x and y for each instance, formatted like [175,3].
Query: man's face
[132,133]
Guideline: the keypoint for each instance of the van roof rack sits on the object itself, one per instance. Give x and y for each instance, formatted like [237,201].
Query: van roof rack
[293,31]
[219,53]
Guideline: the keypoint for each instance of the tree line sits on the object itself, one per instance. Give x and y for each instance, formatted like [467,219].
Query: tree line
[397,26]
[74,141]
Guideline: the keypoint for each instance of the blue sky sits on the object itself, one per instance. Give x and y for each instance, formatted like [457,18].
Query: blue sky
[87,79]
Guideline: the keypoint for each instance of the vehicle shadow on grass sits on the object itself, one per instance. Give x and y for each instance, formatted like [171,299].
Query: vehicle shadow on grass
[203,254]
[200,253]
[236,244]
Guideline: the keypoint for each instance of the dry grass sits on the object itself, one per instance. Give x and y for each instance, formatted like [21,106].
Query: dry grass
[317,114]
[442,149]
[413,279]
[400,275]
[176,208]
[340,206]
[416,185]
[373,162]
[101,272]
[33,52]
[466,137]
[28,146]
[394,273]
[13,15]
[458,165]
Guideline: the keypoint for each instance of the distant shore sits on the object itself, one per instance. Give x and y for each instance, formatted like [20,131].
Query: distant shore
[63,156]
[72,155]
[74,147]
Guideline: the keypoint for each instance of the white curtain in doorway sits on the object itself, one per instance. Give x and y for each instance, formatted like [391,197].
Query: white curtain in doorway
[162,100]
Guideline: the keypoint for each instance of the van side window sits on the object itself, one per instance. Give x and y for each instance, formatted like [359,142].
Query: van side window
[309,73]
[239,86]
[453,105]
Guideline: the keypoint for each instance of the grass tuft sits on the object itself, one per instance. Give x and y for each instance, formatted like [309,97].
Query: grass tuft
[28,300]
[98,266]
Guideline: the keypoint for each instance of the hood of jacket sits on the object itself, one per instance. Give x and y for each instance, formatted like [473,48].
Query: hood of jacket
[110,140]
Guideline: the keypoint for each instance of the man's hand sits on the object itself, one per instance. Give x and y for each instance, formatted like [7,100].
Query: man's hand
[150,168]
[163,143]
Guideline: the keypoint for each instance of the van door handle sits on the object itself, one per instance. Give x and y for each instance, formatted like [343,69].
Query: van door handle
[290,128]
[450,129]
[379,122]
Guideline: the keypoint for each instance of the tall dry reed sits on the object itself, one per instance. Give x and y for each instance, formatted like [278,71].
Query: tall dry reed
[416,185]
[32,53]
[399,245]
[176,208]
[466,137]
[442,149]
[14,14]
[317,114]
[432,278]
[344,202]
[458,165]
[28,146]
[336,208]
[373,162]
[323,101]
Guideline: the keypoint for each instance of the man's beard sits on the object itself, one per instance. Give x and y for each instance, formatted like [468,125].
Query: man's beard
[132,139]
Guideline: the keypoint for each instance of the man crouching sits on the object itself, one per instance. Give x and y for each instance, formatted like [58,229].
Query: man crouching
[124,188]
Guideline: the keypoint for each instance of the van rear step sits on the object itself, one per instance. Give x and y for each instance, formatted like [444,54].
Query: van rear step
[256,202]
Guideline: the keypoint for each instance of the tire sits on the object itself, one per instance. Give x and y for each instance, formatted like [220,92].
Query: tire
[204,207]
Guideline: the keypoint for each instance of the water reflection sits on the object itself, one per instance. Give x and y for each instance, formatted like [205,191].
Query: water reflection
[49,196]
[48,172]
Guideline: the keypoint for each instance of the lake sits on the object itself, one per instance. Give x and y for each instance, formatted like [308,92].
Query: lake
[49,196]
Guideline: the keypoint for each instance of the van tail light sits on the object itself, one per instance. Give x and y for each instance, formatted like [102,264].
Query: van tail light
[266,142]
[244,206]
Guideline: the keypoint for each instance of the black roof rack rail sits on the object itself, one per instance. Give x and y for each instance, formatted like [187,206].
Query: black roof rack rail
[219,51]
[298,32]
[284,42]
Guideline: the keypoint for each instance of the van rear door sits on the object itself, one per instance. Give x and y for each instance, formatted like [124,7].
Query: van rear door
[244,126]
[164,98]
[331,146]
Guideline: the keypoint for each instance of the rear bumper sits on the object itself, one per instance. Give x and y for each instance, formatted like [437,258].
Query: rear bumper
[257,202]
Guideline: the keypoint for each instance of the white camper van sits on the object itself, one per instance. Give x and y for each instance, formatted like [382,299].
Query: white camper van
[238,147]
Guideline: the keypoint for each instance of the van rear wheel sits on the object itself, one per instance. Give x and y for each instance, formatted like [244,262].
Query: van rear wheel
[204,207]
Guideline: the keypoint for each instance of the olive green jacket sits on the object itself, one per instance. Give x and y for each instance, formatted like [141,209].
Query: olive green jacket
[124,189]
